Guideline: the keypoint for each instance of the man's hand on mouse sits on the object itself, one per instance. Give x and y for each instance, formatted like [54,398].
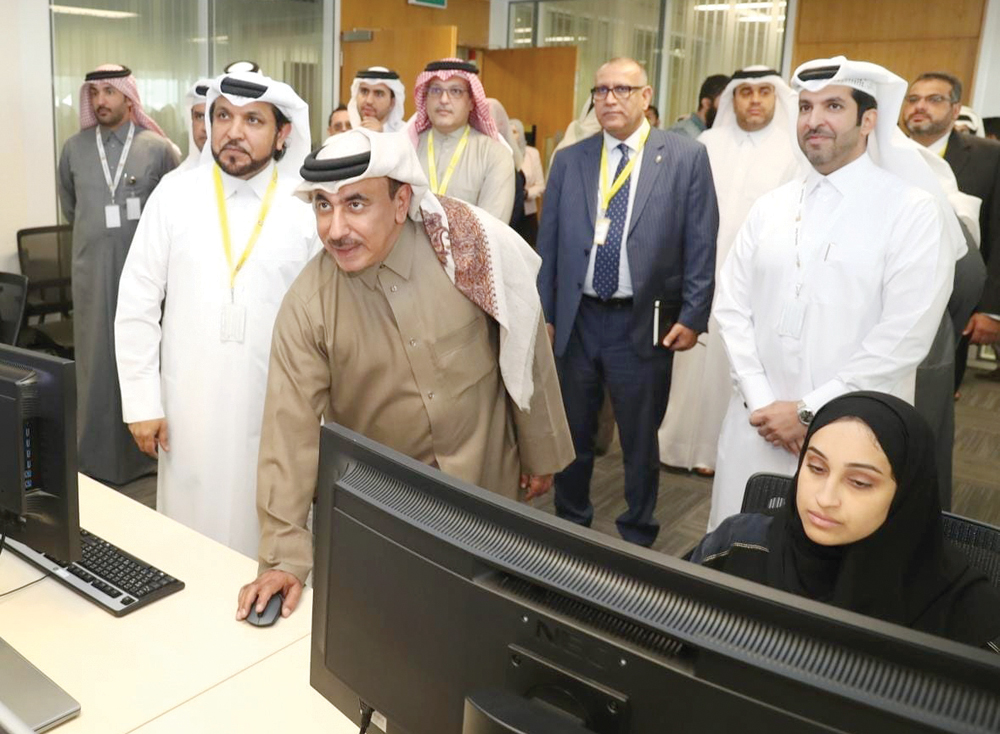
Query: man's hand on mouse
[267,585]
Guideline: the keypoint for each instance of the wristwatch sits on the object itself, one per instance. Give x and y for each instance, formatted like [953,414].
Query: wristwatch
[805,415]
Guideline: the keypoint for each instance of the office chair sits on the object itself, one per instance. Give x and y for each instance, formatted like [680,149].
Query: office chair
[46,257]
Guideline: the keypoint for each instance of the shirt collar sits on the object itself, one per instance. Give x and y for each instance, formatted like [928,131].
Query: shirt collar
[399,260]
[257,185]
[120,133]
[844,179]
[632,141]
[454,134]
[939,145]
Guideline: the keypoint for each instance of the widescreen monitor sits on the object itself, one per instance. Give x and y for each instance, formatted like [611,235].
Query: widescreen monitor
[450,610]
[38,482]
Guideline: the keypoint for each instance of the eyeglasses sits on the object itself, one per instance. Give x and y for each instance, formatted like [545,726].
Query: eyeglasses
[934,99]
[453,92]
[621,91]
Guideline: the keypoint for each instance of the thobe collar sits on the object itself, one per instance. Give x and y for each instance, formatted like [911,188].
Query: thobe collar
[257,184]
[399,260]
[120,133]
[632,141]
[848,178]
[755,138]
[454,134]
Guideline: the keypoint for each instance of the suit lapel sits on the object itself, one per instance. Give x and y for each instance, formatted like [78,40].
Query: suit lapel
[652,161]
[957,152]
[590,174]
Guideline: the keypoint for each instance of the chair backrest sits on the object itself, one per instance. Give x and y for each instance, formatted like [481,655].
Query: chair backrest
[766,493]
[13,296]
[979,541]
[46,257]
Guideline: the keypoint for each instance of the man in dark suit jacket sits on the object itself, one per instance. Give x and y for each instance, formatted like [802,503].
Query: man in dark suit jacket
[615,249]
[931,107]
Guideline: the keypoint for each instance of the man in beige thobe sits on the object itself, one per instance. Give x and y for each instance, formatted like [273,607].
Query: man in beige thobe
[458,145]
[419,327]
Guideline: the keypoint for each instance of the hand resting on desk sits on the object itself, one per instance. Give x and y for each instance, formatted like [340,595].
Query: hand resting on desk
[264,587]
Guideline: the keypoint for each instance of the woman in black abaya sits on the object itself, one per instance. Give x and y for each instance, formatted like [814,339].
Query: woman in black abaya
[862,528]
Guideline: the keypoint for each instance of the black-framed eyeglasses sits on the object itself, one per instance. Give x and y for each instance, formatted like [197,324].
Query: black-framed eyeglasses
[621,91]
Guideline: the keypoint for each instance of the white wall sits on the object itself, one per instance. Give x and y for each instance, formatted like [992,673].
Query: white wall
[498,23]
[986,93]
[27,183]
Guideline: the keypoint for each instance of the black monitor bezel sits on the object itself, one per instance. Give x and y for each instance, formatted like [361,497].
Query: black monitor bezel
[340,447]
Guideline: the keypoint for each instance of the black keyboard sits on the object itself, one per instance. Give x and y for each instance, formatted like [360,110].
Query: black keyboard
[116,581]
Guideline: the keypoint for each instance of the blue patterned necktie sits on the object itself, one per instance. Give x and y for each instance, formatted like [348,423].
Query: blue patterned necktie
[609,254]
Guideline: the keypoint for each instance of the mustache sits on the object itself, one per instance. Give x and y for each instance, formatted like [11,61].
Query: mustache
[235,146]
[818,132]
[343,244]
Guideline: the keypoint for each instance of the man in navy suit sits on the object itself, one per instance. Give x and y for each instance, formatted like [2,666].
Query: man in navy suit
[617,244]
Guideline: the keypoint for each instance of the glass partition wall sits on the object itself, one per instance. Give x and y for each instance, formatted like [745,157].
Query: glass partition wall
[680,42]
[169,45]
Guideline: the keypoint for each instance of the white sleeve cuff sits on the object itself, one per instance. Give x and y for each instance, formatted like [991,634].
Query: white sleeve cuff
[757,392]
[141,400]
[824,394]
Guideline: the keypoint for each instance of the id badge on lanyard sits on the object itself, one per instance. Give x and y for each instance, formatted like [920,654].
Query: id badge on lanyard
[112,213]
[234,322]
[601,228]
[232,327]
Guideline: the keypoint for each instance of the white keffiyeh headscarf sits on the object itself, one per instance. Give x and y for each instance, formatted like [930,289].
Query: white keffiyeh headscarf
[246,87]
[379,75]
[888,146]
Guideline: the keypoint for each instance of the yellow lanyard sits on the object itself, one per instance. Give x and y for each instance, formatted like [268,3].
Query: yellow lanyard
[220,201]
[432,167]
[606,194]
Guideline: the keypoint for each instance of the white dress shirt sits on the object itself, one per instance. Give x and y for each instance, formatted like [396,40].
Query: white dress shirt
[611,144]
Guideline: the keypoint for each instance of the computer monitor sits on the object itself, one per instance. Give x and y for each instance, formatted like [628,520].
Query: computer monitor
[450,609]
[38,490]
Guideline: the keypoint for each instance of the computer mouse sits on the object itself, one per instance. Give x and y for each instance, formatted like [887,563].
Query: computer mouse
[270,614]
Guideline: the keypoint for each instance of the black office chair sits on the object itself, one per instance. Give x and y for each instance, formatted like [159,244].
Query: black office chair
[13,297]
[46,257]
[766,494]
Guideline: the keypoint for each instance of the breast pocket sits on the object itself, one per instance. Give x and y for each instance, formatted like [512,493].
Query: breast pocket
[849,274]
[466,356]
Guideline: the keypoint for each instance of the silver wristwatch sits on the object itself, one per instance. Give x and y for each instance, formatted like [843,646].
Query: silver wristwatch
[805,415]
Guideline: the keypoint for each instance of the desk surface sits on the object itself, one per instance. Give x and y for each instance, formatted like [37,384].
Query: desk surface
[127,671]
[272,696]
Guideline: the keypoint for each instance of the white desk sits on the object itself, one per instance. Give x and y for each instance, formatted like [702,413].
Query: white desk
[272,696]
[128,671]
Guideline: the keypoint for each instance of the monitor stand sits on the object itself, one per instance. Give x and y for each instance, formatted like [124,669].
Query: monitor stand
[30,695]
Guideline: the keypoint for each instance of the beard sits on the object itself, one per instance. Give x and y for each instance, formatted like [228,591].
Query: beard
[242,170]
[839,149]
[113,118]
[928,126]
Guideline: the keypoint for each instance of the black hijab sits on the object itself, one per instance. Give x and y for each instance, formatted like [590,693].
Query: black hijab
[905,572]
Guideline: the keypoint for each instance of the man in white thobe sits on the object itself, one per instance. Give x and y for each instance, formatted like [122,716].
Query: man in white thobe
[377,100]
[221,243]
[751,147]
[194,106]
[837,281]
